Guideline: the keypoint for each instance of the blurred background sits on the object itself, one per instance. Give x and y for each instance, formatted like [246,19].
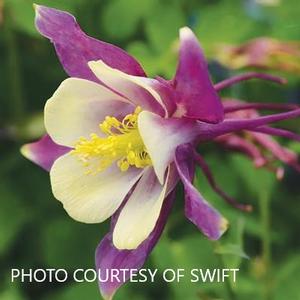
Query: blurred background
[35,231]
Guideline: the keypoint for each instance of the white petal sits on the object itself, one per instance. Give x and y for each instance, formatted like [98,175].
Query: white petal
[162,136]
[90,198]
[137,90]
[139,215]
[77,107]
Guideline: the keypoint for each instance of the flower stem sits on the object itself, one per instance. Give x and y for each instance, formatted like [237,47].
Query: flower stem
[230,292]
[266,244]
[13,69]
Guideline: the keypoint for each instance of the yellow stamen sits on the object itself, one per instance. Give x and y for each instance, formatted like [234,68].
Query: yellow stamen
[122,144]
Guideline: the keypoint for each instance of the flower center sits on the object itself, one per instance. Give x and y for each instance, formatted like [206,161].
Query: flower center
[122,144]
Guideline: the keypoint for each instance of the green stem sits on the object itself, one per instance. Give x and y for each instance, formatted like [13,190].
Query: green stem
[230,292]
[266,244]
[15,99]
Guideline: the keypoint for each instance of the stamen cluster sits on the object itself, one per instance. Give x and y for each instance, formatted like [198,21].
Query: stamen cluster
[122,144]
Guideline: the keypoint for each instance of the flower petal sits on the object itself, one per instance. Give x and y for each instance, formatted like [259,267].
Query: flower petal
[162,136]
[90,198]
[197,209]
[77,107]
[197,97]
[44,152]
[75,49]
[108,257]
[139,215]
[134,88]
[165,90]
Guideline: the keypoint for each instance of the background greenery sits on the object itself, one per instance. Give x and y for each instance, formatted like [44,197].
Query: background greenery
[35,231]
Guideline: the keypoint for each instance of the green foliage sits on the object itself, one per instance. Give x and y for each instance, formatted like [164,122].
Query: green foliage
[22,12]
[288,276]
[130,19]
[76,291]
[225,23]
[81,239]
[13,215]
[188,253]
[12,292]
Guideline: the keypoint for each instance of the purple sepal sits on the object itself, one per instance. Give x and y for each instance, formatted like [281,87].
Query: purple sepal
[108,257]
[75,49]
[44,152]
[197,97]
[278,132]
[211,131]
[197,209]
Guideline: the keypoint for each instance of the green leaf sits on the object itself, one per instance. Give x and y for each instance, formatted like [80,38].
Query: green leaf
[231,249]
[231,246]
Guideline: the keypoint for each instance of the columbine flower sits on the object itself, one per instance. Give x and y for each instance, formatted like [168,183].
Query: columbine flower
[263,53]
[119,142]
[258,144]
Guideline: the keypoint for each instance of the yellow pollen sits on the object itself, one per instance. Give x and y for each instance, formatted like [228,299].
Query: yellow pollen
[122,144]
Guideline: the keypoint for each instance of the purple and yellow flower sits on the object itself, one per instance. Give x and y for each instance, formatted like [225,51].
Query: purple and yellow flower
[118,142]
